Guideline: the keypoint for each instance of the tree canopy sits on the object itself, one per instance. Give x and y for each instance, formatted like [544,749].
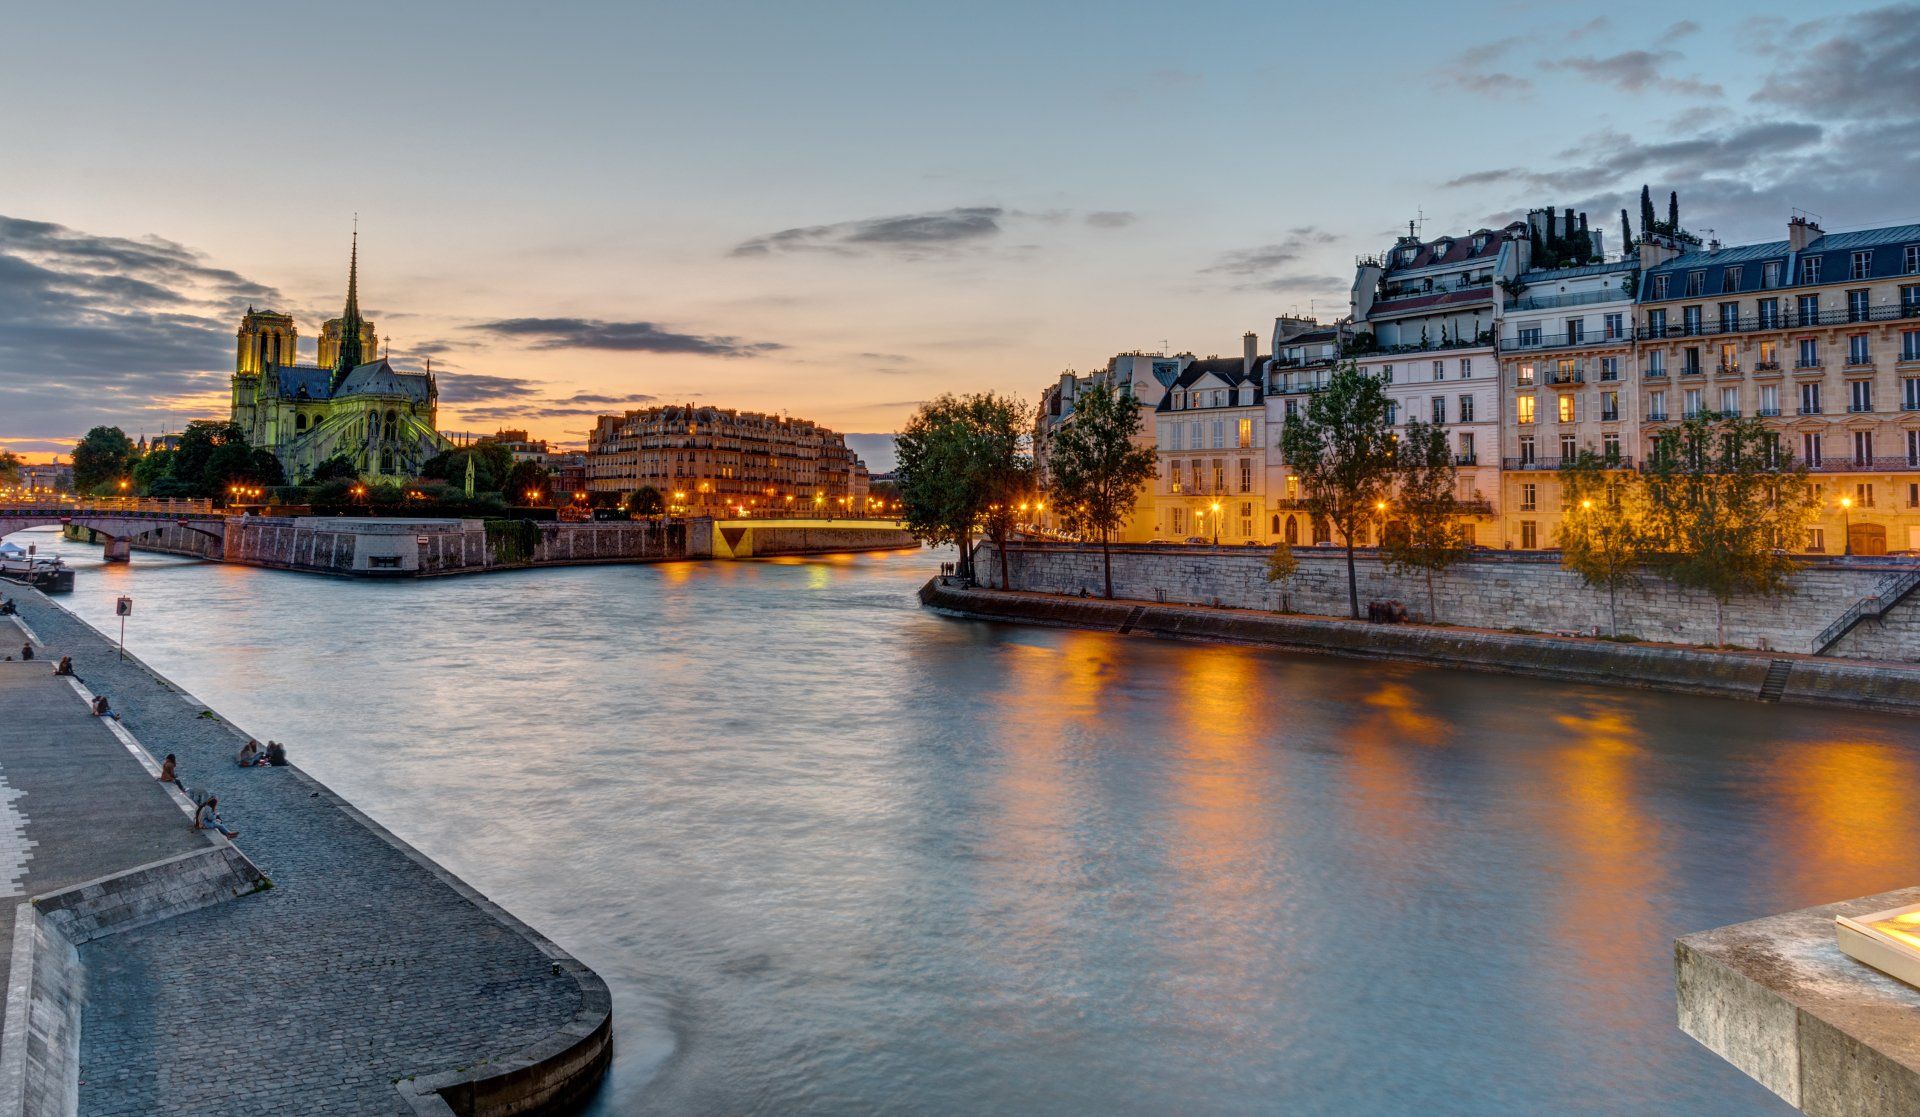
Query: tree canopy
[1424,532]
[1341,447]
[101,460]
[1097,468]
[956,456]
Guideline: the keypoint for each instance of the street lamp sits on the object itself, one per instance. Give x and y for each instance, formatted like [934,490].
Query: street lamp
[1216,523]
[1846,525]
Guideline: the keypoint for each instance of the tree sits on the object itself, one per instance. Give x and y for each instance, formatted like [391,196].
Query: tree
[154,471]
[1426,531]
[491,464]
[1097,469]
[1725,503]
[337,468]
[525,481]
[103,456]
[1626,234]
[1282,565]
[1647,221]
[1012,487]
[10,464]
[646,501]
[953,456]
[1603,526]
[1341,448]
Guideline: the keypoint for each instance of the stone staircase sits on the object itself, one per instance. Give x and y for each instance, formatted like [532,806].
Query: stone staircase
[1885,596]
[1775,684]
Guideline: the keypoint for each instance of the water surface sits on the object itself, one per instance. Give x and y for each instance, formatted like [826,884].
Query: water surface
[836,855]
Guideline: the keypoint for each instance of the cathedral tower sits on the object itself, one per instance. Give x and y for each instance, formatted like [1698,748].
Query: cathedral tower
[352,336]
[266,338]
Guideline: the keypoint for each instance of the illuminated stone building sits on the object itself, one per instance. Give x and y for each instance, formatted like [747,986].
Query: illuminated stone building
[352,403]
[721,462]
[1818,335]
[1211,431]
[1145,376]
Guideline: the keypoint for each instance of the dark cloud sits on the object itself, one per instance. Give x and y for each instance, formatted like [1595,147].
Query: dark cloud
[1252,263]
[1683,28]
[588,397]
[1867,65]
[470,387]
[1636,71]
[1477,70]
[912,234]
[631,337]
[1111,218]
[100,329]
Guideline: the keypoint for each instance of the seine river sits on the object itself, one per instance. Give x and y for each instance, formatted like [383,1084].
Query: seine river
[836,855]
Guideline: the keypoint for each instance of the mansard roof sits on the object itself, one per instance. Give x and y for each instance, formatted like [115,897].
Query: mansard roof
[1229,370]
[1449,250]
[1578,271]
[1835,250]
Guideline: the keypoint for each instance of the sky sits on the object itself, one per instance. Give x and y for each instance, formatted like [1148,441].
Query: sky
[839,210]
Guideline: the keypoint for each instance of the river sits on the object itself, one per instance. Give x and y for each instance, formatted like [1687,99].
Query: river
[836,855]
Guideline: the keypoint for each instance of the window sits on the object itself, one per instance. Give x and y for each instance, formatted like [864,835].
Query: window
[1576,331]
[1526,450]
[1656,323]
[1913,490]
[1910,394]
[1569,448]
[1246,475]
[1769,314]
[1809,353]
[1729,317]
[1909,302]
[1729,281]
[1810,449]
[1770,274]
[1729,401]
[1466,409]
[1860,395]
[1858,305]
[1690,319]
[1175,431]
[1609,368]
[1293,487]
[1529,496]
[1769,399]
[1569,408]
[1656,406]
[1529,337]
[1609,406]
[1816,539]
[1863,455]
[1729,358]
[1610,446]
[1523,374]
[1466,367]
[1439,404]
[1386,374]
[1690,404]
[1809,399]
[1657,363]
[1910,260]
[1860,266]
[1809,310]
[1769,355]
[1696,283]
[1913,448]
[1439,370]
[1393,412]
[1246,519]
[1523,406]
[1466,448]
[1910,345]
[1690,362]
[1179,521]
[1246,434]
[1219,434]
[1616,327]
[1293,409]
[1810,270]
[1219,475]
[1857,350]
[1660,286]
[1199,469]
[1529,535]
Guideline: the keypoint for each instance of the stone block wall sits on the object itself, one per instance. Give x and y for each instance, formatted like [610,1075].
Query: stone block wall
[1495,591]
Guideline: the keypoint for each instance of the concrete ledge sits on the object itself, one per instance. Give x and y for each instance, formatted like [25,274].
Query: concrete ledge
[40,1042]
[1811,681]
[1778,999]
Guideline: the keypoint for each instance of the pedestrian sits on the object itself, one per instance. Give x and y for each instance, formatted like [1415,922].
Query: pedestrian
[26,650]
[166,771]
[207,817]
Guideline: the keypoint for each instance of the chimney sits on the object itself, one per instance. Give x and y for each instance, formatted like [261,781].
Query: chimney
[1657,250]
[1249,349]
[1802,231]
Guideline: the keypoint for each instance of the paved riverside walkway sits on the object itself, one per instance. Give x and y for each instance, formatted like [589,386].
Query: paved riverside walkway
[361,966]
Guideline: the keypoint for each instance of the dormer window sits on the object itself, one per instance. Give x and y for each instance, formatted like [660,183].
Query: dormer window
[1407,255]
[1479,243]
[1440,248]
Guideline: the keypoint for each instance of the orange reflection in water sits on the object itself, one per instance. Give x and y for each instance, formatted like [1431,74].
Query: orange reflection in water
[1848,818]
[1383,789]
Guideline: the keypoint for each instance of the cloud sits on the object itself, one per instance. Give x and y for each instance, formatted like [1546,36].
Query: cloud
[470,387]
[1111,218]
[1870,65]
[1253,262]
[632,337]
[1683,28]
[1636,71]
[1593,26]
[1473,70]
[913,234]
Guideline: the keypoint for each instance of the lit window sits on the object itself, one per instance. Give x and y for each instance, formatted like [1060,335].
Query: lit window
[1524,405]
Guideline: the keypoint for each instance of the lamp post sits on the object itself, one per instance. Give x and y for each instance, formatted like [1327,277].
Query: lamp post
[1380,526]
[1215,509]
[1846,526]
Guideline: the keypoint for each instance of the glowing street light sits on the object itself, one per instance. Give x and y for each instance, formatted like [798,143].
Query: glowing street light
[1216,522]
[1846,525]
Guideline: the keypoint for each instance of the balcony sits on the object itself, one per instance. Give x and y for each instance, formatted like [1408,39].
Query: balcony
[1895,464]
[1766,368]
[1585,298]
[1656,416]
[1532,342]
[1859,364]
[1725,369]
[1466,459]
[1614,461]
[1768,412]
[1567,379]
[1785,320]
[1655,374]
[1609,416]
[1809,411]
[1692,370]
[1859,409]
[1809,366]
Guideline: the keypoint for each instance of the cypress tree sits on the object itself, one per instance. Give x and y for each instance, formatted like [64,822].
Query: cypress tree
[1646,212]
[1673,212]
[1626,232]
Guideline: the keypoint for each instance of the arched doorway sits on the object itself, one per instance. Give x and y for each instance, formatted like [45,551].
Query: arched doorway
[1293,531]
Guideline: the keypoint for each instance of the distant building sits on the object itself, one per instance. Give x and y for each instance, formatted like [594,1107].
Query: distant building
[47,478]
[1304,355]
[517,443]
[569,472]
[715,461]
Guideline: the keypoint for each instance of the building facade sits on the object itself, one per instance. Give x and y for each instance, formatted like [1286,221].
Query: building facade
[1210,432]
[710,461]
[352,404]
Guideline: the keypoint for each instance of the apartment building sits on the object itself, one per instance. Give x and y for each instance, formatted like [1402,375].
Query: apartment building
[1304,356]
[722,462]
[1210,428]
[1819,335]
[1145,376]
[1568,374]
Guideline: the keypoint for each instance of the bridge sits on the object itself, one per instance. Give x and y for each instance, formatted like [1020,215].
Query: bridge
[749,538]
[119,523]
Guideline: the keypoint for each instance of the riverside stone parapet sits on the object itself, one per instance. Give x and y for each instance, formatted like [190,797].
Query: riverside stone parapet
[1499,590]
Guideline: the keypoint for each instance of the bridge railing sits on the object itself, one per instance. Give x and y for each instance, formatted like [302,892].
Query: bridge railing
[124,507]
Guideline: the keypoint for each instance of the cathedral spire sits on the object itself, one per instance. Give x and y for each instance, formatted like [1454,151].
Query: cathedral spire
[349,356]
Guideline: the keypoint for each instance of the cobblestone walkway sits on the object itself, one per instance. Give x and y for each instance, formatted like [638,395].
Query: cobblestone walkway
[360,966]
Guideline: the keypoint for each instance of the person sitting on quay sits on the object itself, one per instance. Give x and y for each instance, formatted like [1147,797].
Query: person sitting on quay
[207,817]
[101,709]
[276,754]
[26,651]
[166,771]
[7,608]
[250,755]
[65,666]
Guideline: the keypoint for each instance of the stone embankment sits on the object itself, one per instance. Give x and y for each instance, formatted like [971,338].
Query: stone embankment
[1768,677]
[1498,590]
[365,979]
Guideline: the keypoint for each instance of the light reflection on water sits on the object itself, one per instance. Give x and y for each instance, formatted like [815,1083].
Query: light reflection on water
[837,855]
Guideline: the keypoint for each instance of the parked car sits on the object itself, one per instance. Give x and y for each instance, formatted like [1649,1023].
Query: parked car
[1200,539]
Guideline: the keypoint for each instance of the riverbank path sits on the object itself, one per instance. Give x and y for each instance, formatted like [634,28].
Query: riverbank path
[364,965]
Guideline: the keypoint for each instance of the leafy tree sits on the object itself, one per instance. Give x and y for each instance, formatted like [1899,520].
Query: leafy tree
[1341,447]
[491,464]
[646,501]
[102,457]
[337,468]
[236,463]
[1725,502]
[1012,485]
[523,478]
[1426,528]
[153,470]
[9,467]
[954,456]
[1603,526]
[1282,565]
[193,461]
[1097,468]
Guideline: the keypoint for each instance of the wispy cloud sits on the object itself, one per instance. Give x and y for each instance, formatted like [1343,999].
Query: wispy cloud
[1637,71]
[909,234]
[1480,69]
[632,337]
[1111,218]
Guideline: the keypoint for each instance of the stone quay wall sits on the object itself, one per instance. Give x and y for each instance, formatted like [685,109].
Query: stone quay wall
[812,541]
[1502,591]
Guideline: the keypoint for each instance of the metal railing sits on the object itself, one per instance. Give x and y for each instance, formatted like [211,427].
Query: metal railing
[1616,461]
[1788,319]
[1525,342]
[1887,464]
[1886,595]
